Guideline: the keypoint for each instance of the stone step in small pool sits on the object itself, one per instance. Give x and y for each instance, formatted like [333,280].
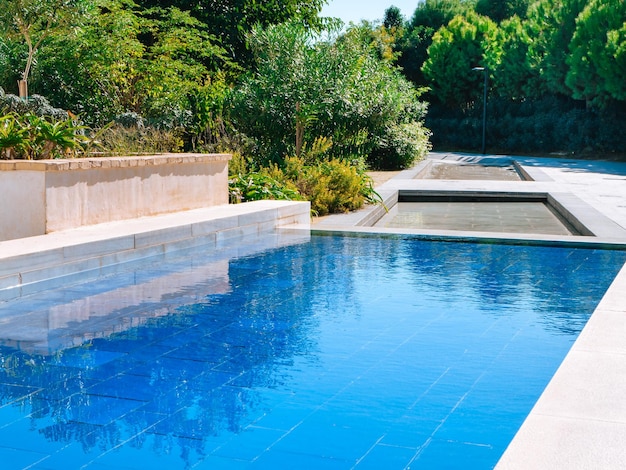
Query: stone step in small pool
[496,170]
[507,217]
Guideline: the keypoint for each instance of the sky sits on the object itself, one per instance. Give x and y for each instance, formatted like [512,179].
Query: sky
[371,10]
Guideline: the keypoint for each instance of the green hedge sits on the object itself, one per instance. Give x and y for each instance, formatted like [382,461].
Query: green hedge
[552,125]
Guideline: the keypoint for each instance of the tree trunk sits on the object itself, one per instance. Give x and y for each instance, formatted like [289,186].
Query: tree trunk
[299,131]
[22,85]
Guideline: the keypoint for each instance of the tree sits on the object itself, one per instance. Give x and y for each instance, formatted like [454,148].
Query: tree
[306,88]
[597,60]
[613,67]
[551,24]
[456,49]
[231,20]
[500,10]
[32,21]
[122,59]
[393,18]
[416,38]
[436,13]
[507,57]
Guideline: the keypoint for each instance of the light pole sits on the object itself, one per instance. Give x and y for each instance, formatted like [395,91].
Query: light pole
[486,72]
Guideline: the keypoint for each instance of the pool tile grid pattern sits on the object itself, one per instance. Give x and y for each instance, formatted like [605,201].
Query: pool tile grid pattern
[575,439]
[363,381]
[580,419]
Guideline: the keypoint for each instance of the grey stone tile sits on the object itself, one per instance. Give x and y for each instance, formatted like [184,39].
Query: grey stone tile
[160,237]
[588,385]
[605,333]
[555,443]
[214,225]
[96,248]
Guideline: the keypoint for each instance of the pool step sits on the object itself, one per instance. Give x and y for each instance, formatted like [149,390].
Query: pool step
[28,261]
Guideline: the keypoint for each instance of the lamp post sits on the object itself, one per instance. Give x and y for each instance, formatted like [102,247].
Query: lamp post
[486,72]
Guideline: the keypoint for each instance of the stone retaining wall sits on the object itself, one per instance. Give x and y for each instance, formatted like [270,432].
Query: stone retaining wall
[43,196]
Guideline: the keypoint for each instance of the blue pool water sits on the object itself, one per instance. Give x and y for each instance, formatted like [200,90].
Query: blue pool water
[333,353]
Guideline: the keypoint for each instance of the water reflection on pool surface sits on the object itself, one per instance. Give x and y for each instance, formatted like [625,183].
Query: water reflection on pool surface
[328,352]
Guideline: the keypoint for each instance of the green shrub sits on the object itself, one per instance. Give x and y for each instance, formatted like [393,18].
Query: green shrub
[35,104]
[331,186]
[13,137]
[256,186]
[33,137]
[305,87]
[542,126]
[117,139]
[405,144]
[54,139]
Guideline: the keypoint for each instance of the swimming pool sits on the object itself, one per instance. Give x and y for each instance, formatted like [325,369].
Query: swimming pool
[328,352]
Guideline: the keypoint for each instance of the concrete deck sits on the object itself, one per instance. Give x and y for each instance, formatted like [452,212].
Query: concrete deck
[579,422]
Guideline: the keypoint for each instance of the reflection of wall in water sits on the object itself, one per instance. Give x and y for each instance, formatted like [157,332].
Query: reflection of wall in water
[72,323]
[227,362]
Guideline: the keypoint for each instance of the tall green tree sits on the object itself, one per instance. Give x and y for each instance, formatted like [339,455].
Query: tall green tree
[456,49]
[124,59]
[393,18]
[231,20]
[551,24]
[305,88]
[31,22]
[417,36]
[507,57]
[597,60]
[500,10]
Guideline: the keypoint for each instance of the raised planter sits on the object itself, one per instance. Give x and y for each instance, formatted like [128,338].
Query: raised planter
[42,196]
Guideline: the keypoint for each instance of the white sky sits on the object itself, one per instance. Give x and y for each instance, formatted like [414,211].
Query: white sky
[371,10]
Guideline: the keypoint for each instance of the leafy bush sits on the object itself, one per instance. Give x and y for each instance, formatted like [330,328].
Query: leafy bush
[33,137]
[35,104]
[542,126]
[305,88]
[405,143]
[256,186]
[116,139]
[12,137]
[331,185]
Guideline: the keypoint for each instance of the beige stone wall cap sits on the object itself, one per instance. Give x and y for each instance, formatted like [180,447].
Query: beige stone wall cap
[111,162]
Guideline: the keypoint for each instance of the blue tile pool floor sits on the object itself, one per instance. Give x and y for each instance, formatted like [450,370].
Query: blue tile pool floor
[333,353]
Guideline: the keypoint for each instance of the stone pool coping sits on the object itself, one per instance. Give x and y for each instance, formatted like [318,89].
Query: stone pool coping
[580,419]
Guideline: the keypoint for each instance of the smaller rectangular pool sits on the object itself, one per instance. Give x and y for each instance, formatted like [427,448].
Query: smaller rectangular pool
[481,216]
[323,352]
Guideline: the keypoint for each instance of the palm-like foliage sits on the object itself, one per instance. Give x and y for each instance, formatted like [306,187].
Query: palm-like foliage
[33,137]
[12,136]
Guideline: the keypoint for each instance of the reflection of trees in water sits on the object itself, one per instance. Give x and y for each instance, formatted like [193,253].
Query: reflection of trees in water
[203,371]
[562,285]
